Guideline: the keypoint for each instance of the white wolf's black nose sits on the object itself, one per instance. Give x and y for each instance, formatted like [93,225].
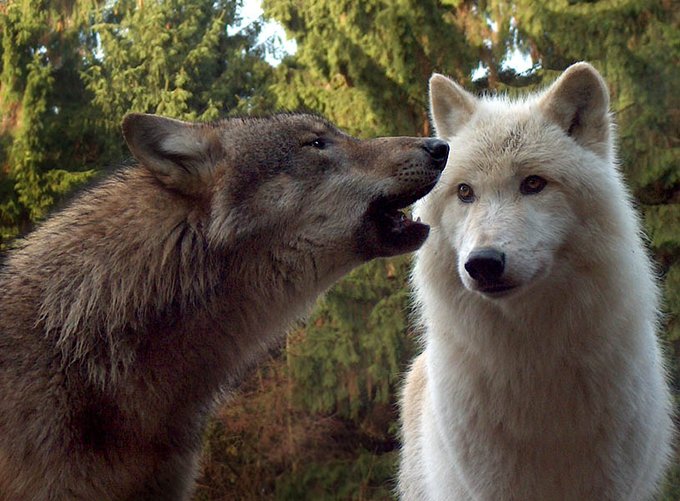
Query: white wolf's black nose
[486,265]
[438,150]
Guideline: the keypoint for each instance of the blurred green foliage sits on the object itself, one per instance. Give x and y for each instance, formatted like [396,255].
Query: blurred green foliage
[72,68]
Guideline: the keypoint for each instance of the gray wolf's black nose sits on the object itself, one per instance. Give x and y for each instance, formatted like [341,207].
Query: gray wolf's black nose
[486,265]
[438,150]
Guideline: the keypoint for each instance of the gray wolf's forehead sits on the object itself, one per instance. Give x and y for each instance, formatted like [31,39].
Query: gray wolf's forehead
[307,121]
[284,120]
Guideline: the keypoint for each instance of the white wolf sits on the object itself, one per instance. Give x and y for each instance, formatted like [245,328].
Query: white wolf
[541,377]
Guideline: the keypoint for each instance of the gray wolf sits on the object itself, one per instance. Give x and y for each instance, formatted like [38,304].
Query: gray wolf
[541,376]
[125,315]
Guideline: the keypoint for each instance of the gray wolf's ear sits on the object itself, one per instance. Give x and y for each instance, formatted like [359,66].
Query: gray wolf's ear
[180,154]
[451,106]
[578,102]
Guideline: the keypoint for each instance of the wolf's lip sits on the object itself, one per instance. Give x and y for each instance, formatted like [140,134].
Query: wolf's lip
[496,290]
[403,200]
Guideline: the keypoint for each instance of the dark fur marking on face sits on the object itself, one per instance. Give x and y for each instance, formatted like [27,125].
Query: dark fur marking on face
[514,140]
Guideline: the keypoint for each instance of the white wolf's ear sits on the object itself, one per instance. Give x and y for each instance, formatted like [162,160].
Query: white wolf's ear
[180,154]
[579,103]
[451,106]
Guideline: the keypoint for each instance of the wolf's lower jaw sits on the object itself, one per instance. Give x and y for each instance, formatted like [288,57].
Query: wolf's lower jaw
[399,221]
[396,233]
[397,229]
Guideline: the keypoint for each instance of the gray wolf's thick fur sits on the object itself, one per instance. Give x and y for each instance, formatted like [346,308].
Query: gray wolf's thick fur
[542,377]
[126,314]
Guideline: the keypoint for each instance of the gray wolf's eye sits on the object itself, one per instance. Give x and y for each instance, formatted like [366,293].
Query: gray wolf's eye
[465,193]
[319,143]
[532,184]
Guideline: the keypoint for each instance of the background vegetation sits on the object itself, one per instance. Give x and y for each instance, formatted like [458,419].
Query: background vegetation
[317,421]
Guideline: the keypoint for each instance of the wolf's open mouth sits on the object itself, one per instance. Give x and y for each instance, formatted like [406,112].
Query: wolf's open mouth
[393,231]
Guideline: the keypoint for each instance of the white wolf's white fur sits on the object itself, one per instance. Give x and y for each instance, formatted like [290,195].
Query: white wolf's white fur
[556,389]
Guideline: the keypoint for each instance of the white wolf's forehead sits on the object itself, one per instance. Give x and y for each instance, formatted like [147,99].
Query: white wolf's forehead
[509,135]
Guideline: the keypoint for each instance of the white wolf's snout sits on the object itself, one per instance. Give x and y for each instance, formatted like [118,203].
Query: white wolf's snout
[501,250]
[486,267]
[496,272]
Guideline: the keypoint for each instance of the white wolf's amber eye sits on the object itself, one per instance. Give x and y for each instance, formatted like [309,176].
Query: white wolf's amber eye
[465,193]
[532,184]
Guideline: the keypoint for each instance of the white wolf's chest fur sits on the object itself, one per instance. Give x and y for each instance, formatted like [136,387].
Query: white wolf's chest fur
[539,418]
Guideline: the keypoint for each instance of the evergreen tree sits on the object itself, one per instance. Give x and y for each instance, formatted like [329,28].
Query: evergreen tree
[366,64]
[72,68]
[176,58]
[44,149]
[349,357]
